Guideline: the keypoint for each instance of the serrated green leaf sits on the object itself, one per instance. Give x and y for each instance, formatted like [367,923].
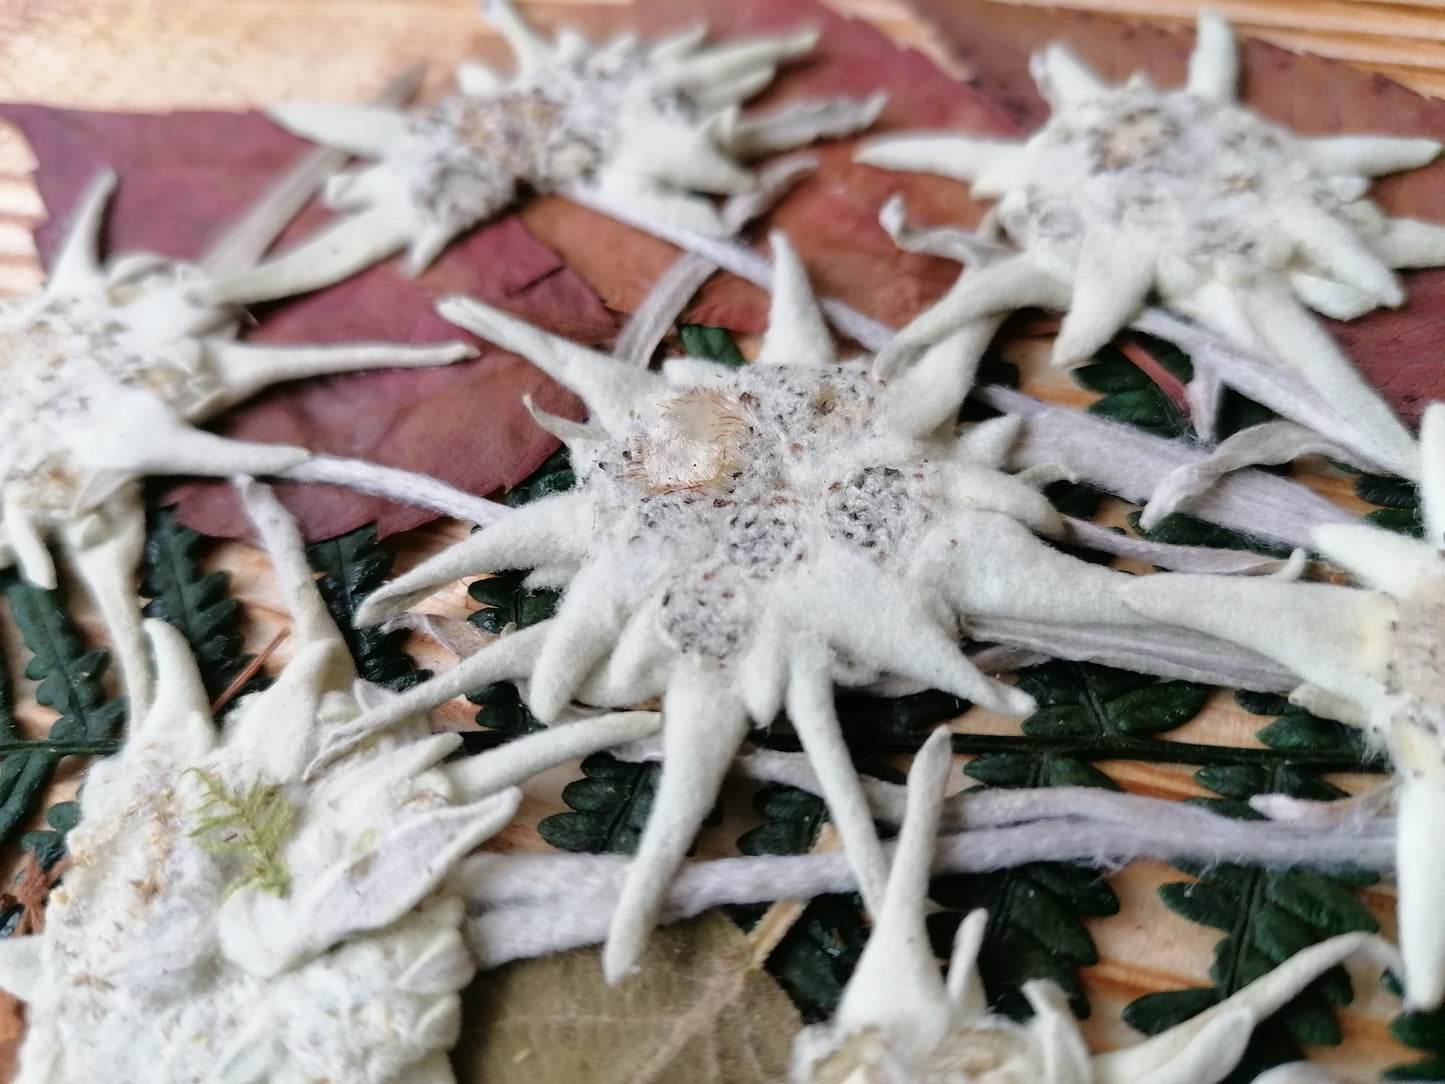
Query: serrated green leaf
[1305,732]
[1269,915]
[1203,903]
[196,602]
[609,807]
[1111,373]
[1077,499]
[1319,901]
[1387,490]
[23,780]
[712,343]
[1086,890]
[1079,700]
[1424,1031]
[69,675]
[875,725]
[553,476]
[1157,708]
[1240,781]
[791,820]
[1406,521]
[1001,769]
[352,566]
[507,602]
[1158,1012]
[815,958]
[1060,721]
[1278,934]
[1182,529]
[1129,396]
[1148,409]
[1035,926]
[1044,916]
[1236,413]
[502,715]
[70,682]
[1311,1022]
[1060,771]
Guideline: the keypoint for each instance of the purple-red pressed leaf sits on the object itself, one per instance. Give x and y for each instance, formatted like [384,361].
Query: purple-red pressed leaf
[186,176]
[1399,350]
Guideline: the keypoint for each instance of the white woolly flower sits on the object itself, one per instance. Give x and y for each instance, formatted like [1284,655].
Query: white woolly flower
[227,917]
[1368,657]
[1130,190]
[900,1022]
[647,125]
[107,373]
[741,540]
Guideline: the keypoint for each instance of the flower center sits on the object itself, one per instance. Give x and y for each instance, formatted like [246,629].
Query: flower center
[1207,181]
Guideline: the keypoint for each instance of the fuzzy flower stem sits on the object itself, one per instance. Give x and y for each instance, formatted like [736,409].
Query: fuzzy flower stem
[1258,380]
[395,484]
[533,905]
[739,260]
[1131,464]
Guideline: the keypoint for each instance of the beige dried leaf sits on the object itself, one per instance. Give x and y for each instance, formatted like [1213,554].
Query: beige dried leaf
[700,1010]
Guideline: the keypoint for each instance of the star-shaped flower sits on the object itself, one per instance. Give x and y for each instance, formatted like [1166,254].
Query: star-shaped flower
[225,918]
[107,372]
[900,1022]
[741,540]
[1369,657]
[1130,191]
[649,126]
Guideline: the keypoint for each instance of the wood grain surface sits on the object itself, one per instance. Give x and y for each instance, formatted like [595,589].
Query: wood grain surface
[155,55]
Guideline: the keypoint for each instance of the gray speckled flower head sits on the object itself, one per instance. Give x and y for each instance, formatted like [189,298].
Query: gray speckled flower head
[653,126]
[225,916]
[1130,190]
[107,374]
[740,540]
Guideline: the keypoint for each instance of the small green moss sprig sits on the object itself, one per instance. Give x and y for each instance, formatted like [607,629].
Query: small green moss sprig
[255,824]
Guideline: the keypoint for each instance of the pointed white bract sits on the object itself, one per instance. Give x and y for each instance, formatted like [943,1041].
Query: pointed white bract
[740,540]
[1368,656]
[902,1022]
[1130,190]
[654,126]
[107,373]
[222,919]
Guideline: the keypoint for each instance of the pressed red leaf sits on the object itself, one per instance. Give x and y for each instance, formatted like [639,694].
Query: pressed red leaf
[1397,350]
[186,176]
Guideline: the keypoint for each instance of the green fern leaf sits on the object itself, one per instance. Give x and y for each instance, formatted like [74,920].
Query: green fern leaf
[352,566]
[608,807]
[254,824]
[196,602]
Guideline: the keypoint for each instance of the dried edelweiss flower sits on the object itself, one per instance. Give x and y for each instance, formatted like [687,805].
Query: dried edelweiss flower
[226,916]
[741,539]
[106,373]
[1130,190]
[1370,658]
[647,125]
[900,1022]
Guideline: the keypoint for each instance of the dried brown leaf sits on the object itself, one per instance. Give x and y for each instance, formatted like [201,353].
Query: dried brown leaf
[698,1012]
